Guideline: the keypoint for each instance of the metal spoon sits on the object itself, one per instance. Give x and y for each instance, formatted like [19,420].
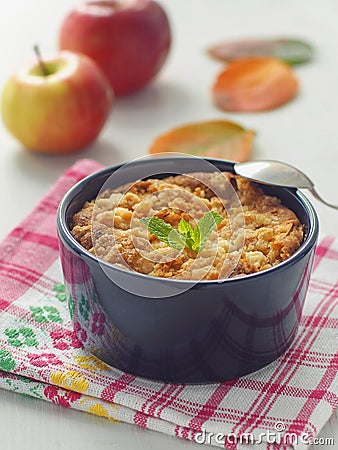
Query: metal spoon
[278,174]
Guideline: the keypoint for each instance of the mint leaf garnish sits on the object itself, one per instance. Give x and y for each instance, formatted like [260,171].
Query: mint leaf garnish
[186,236]
[176,240]
[204,228]
[186,229]
[164,232]
[158,227]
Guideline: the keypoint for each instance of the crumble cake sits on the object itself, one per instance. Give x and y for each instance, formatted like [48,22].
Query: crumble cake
[257,232]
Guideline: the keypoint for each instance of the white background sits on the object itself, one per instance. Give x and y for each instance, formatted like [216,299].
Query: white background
[303,133]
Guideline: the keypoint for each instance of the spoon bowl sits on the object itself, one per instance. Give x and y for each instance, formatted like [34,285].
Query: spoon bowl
[276,173]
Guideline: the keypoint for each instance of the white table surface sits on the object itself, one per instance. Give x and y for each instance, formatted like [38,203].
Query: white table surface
[303,133]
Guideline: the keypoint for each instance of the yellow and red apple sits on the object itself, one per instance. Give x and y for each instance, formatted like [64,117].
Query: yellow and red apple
[128,39]
[60,111]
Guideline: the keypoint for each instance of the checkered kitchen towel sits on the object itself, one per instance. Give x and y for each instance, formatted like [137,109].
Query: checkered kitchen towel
[41,357]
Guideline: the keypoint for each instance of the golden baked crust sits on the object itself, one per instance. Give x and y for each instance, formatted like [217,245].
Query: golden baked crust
[257,233]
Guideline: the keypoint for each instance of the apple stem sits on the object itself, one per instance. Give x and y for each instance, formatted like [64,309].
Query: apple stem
[42,64]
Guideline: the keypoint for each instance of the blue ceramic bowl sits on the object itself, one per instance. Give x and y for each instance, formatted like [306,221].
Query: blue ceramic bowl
[213,331]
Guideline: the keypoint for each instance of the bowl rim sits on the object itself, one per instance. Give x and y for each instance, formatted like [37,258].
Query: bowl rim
[65,234]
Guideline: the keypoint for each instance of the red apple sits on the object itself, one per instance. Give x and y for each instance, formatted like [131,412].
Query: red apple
[129,39]
[58,112]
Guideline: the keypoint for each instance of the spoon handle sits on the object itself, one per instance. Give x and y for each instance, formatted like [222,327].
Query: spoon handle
[318,197]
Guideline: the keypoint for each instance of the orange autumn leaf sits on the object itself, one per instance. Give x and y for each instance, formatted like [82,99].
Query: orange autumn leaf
[214,139]
[254,84]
